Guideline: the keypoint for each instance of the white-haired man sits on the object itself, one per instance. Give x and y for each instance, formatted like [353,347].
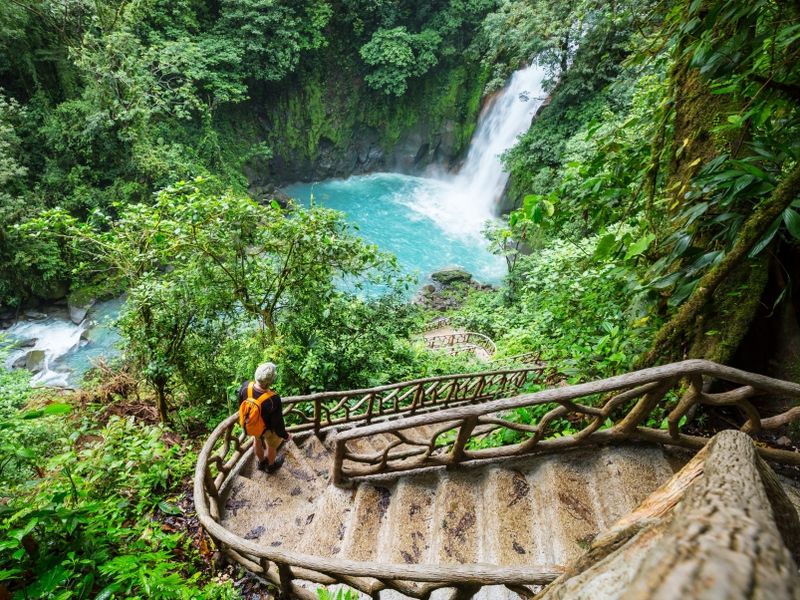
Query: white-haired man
[261,415]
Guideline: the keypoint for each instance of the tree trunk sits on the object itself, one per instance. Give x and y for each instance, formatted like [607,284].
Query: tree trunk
[161,400]
[671,342]
[721,528]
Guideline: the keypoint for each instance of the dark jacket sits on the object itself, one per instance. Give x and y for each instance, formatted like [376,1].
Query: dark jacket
[271,410]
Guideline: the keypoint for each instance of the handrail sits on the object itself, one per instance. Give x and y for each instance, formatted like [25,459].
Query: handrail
[324,410]
[436,323]
[648,386]
[525,358]
[460,340]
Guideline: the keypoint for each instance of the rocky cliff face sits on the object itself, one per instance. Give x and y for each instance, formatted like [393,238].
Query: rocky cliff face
[330,129]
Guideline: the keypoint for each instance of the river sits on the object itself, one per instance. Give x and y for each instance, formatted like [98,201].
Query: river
[427,222]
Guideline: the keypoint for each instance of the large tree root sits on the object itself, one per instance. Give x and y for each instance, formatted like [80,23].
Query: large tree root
[721,528]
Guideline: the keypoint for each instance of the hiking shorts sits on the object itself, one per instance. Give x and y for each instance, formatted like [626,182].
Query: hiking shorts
[271,439]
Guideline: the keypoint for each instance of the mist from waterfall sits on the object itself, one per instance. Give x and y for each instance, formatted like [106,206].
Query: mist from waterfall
[465,201]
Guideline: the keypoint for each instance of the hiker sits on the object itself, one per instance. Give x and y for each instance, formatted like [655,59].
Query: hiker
[261,415]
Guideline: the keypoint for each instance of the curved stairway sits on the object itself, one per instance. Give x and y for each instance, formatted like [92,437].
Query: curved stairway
[432,511]
[541,511]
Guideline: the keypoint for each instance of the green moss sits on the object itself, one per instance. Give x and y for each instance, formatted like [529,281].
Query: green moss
[727,318]
[326,106]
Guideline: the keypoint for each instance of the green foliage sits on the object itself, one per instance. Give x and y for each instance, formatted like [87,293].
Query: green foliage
[587,316]
[397,55]
[341,594]
[272,35]
[82,527]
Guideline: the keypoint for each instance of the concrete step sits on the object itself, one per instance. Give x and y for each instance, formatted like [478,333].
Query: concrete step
[455,533]
[509,517]
[269,514]
[405,536]
[370,505]
[325,534]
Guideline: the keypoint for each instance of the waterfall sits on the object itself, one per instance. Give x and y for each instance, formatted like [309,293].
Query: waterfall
[465,201]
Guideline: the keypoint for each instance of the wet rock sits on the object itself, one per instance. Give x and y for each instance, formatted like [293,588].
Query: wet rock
[28,343]
[34,315]
[20,362]
[54,291]
[34,361]
[78,310]
[428,289]
[451,275]
[265,193]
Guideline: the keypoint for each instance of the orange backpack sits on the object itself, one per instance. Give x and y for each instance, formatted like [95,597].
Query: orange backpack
[250,411]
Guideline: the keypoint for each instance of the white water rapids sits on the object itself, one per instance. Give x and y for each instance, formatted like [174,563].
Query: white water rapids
[69,349]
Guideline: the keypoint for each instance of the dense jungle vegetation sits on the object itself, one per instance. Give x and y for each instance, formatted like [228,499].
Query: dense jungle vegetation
[655,215]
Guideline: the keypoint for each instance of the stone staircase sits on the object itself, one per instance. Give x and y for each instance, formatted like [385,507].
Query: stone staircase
[535,510]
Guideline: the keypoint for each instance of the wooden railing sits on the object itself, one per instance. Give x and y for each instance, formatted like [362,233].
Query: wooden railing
[325,410]
[461,341]
[227,447]
[437,323]
[526,358]
[611,410]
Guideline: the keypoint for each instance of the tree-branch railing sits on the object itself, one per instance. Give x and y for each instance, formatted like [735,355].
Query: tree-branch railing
[454,428]
[227,447]
[325,410]
[611,410]
[461,341]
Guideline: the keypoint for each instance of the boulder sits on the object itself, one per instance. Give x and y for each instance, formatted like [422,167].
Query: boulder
[451,275]
[78,310]
[34,361]
[34,315]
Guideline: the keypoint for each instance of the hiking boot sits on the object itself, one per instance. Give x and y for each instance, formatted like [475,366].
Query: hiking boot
[263,465]
[276,465]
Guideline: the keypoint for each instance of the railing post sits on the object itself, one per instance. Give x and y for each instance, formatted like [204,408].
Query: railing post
[338,460]
[370,406]
[285,574]
[418,395]
[457,455]
[317,415]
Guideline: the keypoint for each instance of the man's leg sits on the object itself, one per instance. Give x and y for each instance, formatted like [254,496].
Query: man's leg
[271,455]
[258,445]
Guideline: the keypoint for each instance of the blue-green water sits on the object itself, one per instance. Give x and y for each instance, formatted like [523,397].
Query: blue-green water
[419,220]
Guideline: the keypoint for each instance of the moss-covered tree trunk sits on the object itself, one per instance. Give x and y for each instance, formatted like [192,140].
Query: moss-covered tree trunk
[729,292]
[717,316]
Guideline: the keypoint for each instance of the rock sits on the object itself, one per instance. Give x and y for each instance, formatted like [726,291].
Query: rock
[29,343]
[451,275]
[34,315]
[54,291]
[20,362]
[428,289]
[34,361]
[784,441]
[78,310]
